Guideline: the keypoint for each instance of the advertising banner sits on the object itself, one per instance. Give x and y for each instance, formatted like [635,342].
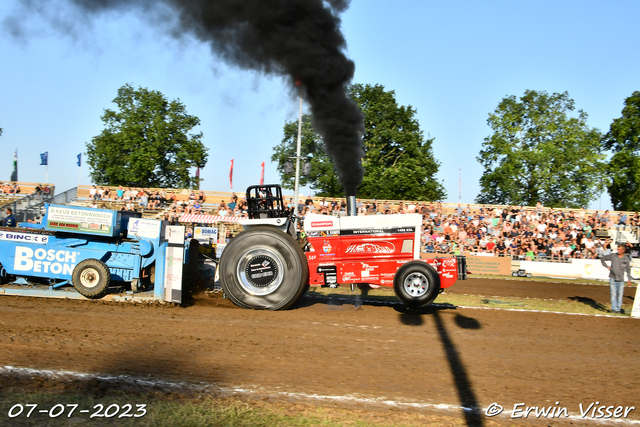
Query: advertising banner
[635,311]
[553,269]
[93,221]
[149,228]
[576,268]
[591,269]
[203,234]
[13,236]
[174,259]
[500,266]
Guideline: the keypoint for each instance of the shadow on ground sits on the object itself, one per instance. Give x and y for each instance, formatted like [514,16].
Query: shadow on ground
[590,302]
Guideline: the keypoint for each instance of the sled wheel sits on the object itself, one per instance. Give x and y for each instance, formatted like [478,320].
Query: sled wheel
[91,278]
[263,268]
[416,284]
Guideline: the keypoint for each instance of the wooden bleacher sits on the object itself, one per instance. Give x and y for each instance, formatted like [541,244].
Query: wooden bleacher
[214,198]
[26,188]
[210,206]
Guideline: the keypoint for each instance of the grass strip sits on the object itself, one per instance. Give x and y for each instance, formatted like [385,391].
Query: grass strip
[384,295]
[202,412]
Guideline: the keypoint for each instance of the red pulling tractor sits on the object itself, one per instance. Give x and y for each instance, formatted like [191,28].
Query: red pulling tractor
[266,267]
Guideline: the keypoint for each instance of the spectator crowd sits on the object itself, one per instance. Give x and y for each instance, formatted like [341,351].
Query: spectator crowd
[518,232]
[141,198]
[9,188]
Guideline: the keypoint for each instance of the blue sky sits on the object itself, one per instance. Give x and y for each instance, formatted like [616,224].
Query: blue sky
[452,61]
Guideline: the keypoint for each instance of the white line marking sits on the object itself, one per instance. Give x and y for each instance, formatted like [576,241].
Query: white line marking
[206,387]
[543,311]
[381,302]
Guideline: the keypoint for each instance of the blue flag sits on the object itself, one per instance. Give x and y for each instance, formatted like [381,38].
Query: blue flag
[44,158]
[79,162]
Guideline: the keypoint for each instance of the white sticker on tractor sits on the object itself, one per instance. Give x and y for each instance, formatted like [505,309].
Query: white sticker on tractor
[149,228]
[24,237]
[45,261]
[376,248]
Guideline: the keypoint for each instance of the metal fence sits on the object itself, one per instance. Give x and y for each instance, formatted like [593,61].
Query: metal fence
[65,197]
[626,234]
[31,207]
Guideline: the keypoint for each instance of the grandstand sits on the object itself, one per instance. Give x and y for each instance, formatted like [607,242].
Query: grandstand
[214,199]
[28,206]
[27,202]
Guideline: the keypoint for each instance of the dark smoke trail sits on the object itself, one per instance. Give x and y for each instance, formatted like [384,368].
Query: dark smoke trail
[298,38]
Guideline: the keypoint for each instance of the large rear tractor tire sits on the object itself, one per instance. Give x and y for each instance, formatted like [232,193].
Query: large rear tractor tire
[416,284]
[263,268]
[91,278]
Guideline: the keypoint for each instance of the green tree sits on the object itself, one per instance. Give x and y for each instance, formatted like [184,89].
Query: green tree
[537,153]
[623,139]
[398,162]
[323,178]
[146,143]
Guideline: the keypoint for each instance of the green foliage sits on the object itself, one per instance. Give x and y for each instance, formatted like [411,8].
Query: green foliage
[623,139]
[323,178]
[398,162]
[146,143]
[177,410]
[537,153]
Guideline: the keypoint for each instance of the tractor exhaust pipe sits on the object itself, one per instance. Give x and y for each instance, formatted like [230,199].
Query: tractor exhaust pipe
[351,206]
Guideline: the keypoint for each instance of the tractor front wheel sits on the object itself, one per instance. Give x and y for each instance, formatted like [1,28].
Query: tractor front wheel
[416,284]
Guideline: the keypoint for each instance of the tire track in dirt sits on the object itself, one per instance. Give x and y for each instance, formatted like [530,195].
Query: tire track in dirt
[444,355]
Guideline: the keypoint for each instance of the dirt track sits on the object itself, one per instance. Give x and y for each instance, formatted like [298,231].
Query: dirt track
[596,296]
[460,357]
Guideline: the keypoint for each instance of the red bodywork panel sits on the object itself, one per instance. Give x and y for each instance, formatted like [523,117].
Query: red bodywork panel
[368,256]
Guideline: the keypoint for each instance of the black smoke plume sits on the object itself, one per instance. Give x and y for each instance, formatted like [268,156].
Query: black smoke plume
[297,38]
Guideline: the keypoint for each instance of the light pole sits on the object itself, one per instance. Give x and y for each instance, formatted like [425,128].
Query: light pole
[296,191]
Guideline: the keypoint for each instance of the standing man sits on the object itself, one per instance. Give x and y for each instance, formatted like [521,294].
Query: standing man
[620,263]
[10,220]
